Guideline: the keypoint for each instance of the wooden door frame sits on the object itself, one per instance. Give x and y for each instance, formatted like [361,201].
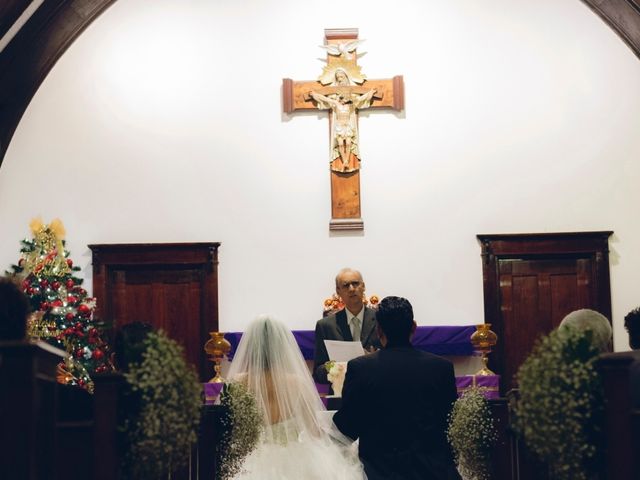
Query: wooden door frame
[540,246]
[202,257]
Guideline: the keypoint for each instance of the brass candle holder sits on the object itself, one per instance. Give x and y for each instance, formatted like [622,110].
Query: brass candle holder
[217,347]
[483,341]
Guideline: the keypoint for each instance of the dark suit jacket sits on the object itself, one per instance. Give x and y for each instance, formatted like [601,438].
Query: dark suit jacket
[335,327]
[396,401]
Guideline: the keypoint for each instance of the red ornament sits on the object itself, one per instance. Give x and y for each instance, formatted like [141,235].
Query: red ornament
[25,284]
[98,354]
[78,326]
[79,353]
[55,285]
[30,291]
[68,331]
[69,262]
[44,283]
[93,331]
[71,299]
[45,306]
[84,310]
[69,317]
[56,303]
[70,283]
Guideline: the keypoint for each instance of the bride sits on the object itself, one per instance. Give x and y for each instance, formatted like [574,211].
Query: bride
[294,444]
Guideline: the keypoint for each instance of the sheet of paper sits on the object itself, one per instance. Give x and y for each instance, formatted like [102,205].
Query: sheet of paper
[343,351]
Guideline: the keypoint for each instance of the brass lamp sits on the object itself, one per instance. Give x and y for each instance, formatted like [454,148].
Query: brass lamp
[483,339]
[217,347]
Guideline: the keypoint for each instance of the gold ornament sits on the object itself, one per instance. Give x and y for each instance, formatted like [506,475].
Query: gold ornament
[217,347]
[483,340]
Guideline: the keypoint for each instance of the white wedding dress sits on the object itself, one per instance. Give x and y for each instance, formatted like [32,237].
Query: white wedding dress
[294,445]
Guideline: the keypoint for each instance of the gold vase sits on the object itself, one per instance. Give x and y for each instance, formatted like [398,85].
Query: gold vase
[217,347]
[483,340]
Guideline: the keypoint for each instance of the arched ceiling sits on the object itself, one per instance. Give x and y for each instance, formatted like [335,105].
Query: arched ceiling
[29,56]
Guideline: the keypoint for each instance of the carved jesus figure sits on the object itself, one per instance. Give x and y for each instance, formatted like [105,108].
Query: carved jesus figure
[344,106]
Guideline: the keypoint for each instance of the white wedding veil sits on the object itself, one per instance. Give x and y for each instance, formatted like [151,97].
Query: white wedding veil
[294,444]
[268,361]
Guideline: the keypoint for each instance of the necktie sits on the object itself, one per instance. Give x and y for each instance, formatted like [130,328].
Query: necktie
[355,321]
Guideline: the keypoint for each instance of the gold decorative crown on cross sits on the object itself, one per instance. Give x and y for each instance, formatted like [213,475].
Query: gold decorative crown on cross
[353,72]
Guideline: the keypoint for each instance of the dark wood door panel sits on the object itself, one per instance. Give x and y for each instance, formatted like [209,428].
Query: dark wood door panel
[171,286]
[531,281]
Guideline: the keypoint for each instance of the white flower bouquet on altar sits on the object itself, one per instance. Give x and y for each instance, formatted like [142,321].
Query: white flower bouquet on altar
[336,372]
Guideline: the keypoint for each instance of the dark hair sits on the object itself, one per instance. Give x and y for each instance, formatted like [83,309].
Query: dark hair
[395,317]
[14,310]
[632,324]
[129,344]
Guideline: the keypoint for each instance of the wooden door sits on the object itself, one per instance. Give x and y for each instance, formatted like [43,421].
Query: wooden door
[531,281]
[171,286]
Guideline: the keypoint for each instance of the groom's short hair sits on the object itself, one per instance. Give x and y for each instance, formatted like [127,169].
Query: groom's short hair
[395,317]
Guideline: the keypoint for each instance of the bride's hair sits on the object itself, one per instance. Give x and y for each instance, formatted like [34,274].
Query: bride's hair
[268,361]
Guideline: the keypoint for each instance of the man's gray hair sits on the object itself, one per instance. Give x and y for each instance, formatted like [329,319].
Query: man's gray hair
[597,323]
[345,270]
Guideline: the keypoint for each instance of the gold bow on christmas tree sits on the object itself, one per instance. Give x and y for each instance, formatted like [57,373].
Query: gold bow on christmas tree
[47,257]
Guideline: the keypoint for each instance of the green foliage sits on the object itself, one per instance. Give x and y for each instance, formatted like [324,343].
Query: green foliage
[242,425]
[471,434]
[559,413]
[160,432]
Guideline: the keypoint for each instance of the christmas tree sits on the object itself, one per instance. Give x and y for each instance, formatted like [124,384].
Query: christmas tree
[62,310]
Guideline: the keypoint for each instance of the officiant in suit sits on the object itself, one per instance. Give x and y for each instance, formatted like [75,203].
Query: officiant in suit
[354,321]
[396,401]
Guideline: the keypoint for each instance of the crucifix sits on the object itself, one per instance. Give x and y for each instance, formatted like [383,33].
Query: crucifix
[343,90]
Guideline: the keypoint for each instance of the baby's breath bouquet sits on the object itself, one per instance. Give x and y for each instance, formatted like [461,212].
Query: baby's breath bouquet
[471,434]
[559,412]
[242,426]
[164,402]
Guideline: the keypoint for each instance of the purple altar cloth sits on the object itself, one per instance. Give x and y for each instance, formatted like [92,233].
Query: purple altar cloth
[490,384]
[211,392]
[439,340]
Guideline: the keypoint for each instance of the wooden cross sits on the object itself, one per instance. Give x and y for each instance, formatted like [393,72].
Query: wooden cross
[343,90]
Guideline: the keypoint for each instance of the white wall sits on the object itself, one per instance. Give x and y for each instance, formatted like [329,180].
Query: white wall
[163,123]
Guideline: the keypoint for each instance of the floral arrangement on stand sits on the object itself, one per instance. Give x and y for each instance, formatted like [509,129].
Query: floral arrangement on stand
[472,434]
[560,410]
[242,426]
[334,303]
[336,371]
[162,410]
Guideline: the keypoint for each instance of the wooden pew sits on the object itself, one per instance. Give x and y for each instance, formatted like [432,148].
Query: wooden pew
[622,419]
[28,405]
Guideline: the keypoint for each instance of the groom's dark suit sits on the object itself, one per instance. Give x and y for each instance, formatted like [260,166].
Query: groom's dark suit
[335,327]
[396,401]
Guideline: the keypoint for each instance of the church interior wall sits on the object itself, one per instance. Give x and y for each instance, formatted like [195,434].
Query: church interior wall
[163,123]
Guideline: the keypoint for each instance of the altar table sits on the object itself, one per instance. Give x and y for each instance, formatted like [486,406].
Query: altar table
[441,340]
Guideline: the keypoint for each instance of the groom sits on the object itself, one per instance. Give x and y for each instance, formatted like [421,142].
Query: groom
[354,321]
[409,393]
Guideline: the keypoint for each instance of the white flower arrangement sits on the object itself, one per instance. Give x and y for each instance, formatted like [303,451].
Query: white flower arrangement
[560,409]
[336,372]
[472,434]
